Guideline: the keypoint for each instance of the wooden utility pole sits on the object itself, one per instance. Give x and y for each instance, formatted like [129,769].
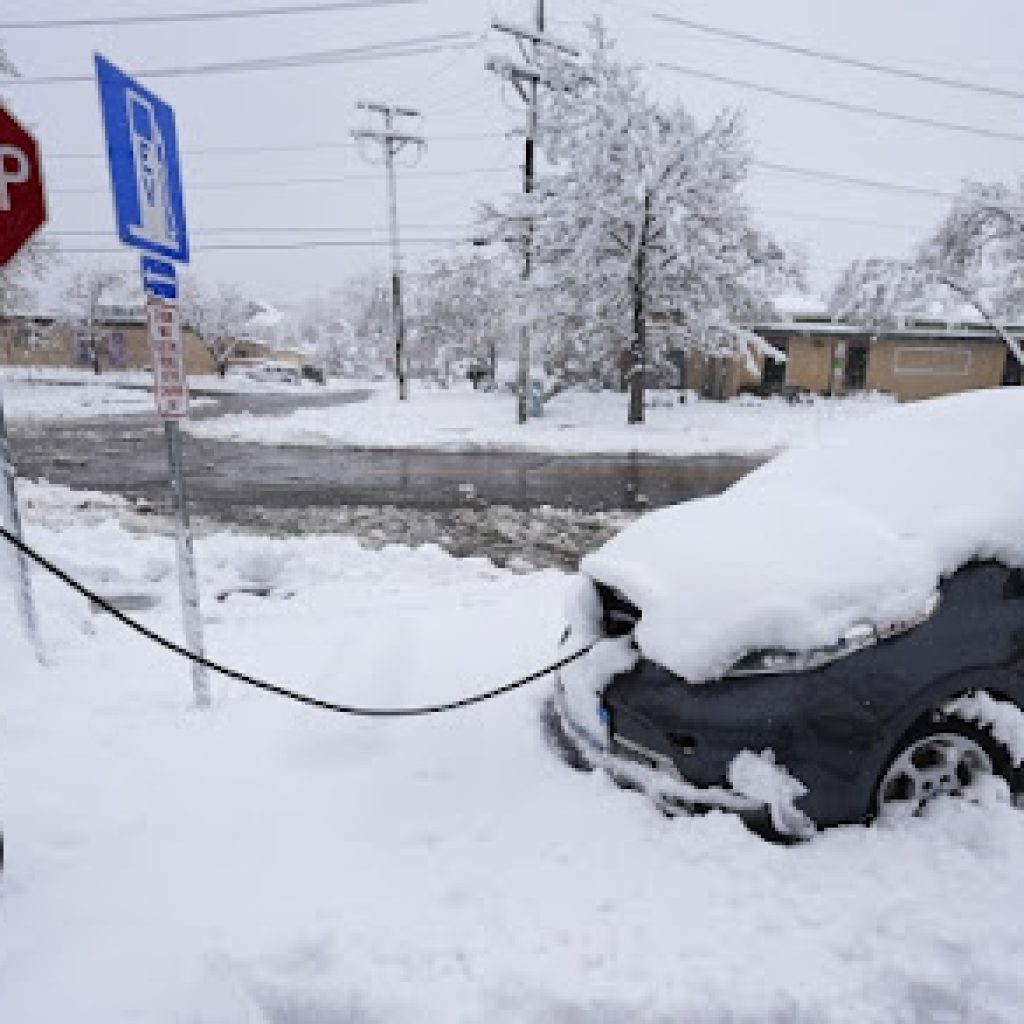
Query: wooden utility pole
[525,78]
[391,142]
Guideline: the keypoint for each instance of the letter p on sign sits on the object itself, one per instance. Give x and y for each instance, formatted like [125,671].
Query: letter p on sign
[14,170]
[22,202]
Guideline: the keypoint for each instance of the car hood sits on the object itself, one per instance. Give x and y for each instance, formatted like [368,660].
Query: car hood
[858,526]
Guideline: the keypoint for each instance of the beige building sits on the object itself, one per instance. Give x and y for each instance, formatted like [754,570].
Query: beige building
[123,344]
[922,359]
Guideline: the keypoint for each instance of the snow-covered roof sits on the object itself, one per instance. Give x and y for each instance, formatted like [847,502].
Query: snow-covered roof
[265,318]
[800,304]
[856,527]
[914,328]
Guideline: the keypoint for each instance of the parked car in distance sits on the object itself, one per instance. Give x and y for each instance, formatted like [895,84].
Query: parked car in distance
[274,372]
[862,658]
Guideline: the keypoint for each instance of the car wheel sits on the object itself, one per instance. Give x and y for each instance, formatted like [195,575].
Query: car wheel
[944,756]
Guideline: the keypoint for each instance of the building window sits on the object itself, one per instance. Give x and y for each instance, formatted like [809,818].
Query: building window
[932,362]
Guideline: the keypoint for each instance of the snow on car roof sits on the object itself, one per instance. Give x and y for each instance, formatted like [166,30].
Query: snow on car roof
[857,526]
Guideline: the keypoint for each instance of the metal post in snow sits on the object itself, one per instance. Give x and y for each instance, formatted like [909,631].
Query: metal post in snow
[397,317]
[12,519]
[522,408]
[187,582]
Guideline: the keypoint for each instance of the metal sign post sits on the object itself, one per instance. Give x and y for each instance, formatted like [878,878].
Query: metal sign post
[142,146]
[188,585]
[11,516]
[22,213]
[171,390]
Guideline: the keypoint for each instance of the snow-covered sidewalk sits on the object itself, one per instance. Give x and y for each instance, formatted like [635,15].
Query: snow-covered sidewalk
[53,399]
[41,393]
[574,422]
[262,863]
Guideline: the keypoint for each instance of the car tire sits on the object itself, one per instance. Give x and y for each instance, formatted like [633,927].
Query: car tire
[943,755]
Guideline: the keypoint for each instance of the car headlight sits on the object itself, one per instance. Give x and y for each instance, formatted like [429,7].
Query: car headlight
[856,638]
[778,662]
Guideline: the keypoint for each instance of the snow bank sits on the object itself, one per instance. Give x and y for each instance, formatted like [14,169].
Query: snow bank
[265,864]
[857,527]
[26,400]
[460,419]
[45,393]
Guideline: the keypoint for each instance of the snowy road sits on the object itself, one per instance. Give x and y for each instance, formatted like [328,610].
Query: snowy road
[471,503]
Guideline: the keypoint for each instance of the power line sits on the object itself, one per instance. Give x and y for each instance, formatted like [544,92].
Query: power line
[851,108]
[276,246]
[849,179]
[825,218]
[223,15]
[284,148]
[375,51]
[835,58]
[283,183]
[250,229]
[807,172]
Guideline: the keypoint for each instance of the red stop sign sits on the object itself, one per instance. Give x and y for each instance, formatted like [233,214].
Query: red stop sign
[22,202]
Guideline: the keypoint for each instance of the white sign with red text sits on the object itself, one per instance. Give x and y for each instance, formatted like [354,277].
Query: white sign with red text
[171,386]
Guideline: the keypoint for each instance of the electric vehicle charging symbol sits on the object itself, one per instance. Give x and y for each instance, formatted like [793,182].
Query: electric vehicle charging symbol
[145,172]
[149,151]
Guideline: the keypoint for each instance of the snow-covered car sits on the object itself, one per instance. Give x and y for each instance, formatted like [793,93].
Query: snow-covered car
[837,637]
[274,372]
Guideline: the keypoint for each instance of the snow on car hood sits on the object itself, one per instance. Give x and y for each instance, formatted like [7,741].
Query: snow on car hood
[857,526]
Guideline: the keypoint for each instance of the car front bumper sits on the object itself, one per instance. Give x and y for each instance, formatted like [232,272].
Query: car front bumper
[634,766]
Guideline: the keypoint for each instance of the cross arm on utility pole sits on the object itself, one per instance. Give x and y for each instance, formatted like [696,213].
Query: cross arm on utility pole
[387,109]
[537,36]
[511,69]
[386,136]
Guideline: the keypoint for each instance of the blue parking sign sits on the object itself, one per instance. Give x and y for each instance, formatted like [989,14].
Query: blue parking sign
[145,175]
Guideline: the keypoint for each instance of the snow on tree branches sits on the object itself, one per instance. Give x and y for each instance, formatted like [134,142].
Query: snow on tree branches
[457,313]
[975,257]
[87,299]
[218,315]
[637,219]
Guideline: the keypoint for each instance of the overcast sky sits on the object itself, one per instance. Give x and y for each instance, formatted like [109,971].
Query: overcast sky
[295,195]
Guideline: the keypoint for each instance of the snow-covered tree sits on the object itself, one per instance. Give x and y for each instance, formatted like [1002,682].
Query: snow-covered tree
[881,294]
[349,327]
[637,216]
[17,279]
[218,314]
[975,257]
[367,301]
[333,346]
[86,298]
[458,310]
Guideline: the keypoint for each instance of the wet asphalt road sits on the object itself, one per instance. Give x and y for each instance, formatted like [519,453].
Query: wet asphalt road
[288,489]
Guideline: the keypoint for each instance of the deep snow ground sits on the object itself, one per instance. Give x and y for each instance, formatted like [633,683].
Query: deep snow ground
[264,863]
